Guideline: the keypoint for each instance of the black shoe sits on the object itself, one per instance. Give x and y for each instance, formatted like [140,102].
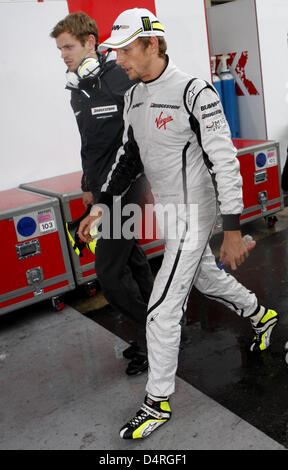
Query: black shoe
[138,365]
[131,351]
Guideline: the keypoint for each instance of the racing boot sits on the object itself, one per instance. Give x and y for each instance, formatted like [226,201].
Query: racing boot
[263,328]
[151,415]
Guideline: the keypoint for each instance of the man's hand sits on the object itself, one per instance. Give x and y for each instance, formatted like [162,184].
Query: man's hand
[87,198]
[234,248]
[85,224]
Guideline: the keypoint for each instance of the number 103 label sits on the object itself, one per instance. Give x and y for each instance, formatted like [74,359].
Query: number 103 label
[47,226]
[46,220]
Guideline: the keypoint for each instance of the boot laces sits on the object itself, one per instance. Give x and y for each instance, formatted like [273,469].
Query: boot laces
[138,419]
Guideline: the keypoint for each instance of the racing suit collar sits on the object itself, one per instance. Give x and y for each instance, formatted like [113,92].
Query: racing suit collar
[159,76]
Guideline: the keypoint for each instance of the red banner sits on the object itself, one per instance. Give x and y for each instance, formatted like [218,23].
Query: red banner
[106,12]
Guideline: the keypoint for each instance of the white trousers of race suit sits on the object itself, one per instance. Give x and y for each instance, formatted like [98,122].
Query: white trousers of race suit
[187,261]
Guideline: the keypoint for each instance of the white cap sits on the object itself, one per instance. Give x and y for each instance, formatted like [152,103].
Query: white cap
[131,24]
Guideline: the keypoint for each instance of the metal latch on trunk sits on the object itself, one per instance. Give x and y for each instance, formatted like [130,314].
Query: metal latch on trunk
[262,199]
[34,278]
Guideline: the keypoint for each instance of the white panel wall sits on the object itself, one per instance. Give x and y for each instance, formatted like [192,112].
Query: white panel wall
[273,36]
[186,35]
[39,136]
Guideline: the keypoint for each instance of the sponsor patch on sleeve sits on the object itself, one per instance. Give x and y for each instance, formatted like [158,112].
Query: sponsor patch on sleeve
[215,124]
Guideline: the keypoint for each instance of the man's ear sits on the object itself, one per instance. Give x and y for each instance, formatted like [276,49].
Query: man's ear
[154,45]
[91,42]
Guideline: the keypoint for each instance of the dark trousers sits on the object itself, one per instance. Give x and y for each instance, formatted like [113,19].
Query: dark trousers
[123,270]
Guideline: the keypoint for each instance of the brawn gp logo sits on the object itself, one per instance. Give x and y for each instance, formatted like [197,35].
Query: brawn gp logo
[116,27]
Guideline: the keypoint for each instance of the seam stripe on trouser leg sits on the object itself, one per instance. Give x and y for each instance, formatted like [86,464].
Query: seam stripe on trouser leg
[165,290]
[163,328]
[184,306]
[218,285]
[163,322]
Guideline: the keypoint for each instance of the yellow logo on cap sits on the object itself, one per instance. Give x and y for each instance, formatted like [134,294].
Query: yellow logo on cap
[146,23]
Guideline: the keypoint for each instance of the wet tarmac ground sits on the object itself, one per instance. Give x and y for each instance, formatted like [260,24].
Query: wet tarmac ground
[214,354]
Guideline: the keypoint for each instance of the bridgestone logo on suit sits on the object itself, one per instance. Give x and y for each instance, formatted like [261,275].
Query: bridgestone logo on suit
[104,109]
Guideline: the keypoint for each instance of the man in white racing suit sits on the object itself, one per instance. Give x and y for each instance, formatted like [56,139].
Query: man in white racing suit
[175,127]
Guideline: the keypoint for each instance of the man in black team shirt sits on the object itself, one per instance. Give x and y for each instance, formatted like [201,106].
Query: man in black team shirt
[97,87]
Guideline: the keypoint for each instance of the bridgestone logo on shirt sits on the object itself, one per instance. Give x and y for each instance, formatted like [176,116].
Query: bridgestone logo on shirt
[168,106]
[207,115]
[104,109]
